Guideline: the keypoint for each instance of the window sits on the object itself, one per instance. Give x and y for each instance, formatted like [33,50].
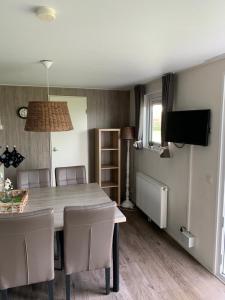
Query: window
[152,119]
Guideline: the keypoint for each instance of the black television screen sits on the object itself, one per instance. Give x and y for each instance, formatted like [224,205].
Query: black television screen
[188,127]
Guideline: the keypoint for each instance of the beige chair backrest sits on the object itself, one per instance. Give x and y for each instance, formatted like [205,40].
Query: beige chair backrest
[70,175]
[88,233]
[33,179]
[26,248]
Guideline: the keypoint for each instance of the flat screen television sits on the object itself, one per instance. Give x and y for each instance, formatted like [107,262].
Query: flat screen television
[188,127]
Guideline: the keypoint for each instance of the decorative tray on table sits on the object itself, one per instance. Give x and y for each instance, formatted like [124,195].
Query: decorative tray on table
[14,202]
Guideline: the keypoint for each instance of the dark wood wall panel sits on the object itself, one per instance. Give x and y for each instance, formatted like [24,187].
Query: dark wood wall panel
[105,108]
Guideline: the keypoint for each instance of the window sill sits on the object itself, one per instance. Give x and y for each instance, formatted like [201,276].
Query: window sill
[153,148]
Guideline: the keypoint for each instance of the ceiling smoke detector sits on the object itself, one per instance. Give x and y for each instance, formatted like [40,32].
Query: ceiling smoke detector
[46,13]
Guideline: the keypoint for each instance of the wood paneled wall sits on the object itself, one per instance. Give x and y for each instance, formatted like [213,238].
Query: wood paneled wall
[34,146]
[105,108]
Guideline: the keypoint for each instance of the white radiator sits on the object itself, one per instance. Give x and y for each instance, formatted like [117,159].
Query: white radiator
[151,198]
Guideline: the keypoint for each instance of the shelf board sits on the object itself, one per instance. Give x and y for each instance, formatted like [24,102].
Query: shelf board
[108,184]
[109,129]
[108,167]
[109,149]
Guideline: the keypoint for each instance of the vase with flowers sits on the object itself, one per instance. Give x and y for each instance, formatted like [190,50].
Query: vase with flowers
[7,191]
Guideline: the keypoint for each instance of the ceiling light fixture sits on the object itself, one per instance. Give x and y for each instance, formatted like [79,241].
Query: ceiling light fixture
[48,116]
[46,13]
[47,64]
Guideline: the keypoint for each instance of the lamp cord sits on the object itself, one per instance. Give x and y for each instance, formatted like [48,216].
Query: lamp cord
[47,80]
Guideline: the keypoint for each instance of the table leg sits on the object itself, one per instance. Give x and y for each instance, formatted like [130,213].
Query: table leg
[116,278]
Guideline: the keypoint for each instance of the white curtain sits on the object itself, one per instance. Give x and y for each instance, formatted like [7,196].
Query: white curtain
[139,93]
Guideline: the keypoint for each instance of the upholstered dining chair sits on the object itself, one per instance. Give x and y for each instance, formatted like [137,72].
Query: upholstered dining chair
[26,252]
[70,175]
[67,176]
[88,234]
[33,178]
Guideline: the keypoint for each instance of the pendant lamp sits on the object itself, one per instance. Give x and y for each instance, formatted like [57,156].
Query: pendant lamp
[48,116]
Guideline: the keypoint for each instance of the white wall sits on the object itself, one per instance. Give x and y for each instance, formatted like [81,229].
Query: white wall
[197,88]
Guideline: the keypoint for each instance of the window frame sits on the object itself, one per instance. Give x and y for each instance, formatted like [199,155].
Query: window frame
[150,100]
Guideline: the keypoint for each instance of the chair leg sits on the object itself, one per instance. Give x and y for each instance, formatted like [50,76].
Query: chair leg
[4,294]
[50,289]
[67,287]
[107,280]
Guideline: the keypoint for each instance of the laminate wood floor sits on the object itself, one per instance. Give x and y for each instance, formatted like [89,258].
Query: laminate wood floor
[152,266]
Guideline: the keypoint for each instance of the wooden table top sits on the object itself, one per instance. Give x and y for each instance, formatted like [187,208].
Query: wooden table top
[59,197]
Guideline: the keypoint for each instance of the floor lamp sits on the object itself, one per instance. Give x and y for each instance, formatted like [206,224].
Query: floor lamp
[127,134]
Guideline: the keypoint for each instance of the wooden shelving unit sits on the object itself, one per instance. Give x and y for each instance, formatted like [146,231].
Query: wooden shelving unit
[107,166]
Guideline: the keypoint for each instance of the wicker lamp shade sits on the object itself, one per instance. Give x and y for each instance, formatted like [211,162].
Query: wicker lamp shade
[48,116]
[127,133]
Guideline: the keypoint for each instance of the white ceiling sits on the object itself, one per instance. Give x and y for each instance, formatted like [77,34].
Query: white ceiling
[107,43]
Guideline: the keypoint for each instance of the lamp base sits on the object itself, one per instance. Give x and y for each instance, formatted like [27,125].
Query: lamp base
[127,204]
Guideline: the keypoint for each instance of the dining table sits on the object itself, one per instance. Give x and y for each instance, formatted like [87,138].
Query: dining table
[76,195]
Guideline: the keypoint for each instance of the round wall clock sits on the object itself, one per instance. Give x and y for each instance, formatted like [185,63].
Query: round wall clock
[22,112]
